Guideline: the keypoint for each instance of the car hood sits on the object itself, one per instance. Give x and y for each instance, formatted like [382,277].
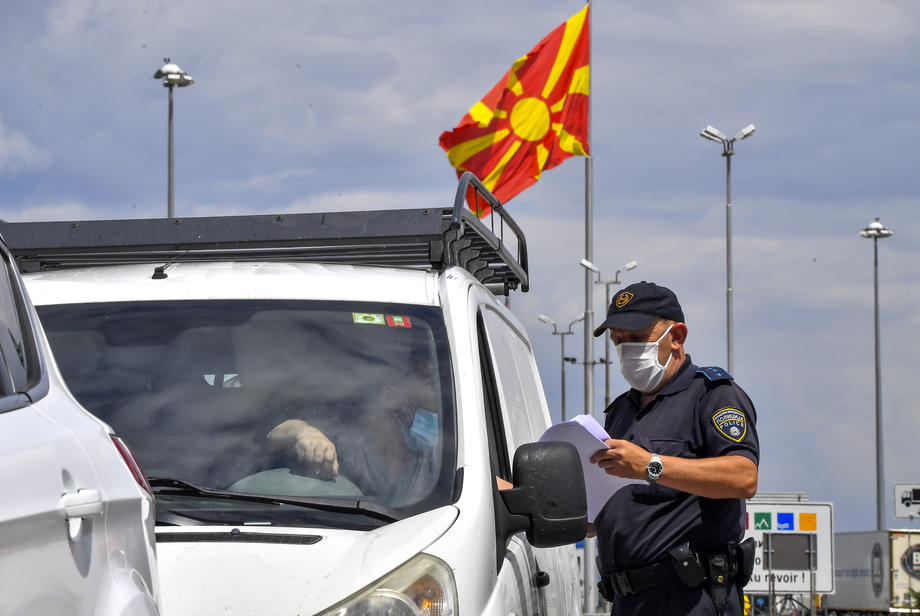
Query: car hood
[222,570]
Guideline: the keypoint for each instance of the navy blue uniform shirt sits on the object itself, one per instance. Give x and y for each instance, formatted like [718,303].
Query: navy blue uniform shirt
[699,413]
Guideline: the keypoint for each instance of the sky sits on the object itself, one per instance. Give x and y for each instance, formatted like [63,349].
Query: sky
[328,105]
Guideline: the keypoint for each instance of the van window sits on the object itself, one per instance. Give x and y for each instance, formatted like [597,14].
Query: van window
[498,444]
[195,387]
[521,392]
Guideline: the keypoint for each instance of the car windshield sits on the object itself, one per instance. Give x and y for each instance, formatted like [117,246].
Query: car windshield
[303,399]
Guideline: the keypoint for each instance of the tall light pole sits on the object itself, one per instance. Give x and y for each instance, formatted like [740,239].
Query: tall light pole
[562,335]
[876,231]
[172,77]
[728,149]
[616,280]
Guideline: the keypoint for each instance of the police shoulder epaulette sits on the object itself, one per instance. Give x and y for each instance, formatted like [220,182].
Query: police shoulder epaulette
[714,373]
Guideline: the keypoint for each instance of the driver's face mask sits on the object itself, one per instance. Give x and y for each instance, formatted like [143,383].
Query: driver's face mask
[423,433]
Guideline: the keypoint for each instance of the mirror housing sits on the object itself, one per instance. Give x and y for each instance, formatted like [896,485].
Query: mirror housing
[548,499]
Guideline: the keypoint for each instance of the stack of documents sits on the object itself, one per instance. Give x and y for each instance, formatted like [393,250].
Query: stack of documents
[588,436]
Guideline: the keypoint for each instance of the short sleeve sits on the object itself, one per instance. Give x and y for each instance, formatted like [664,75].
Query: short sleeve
[728,421]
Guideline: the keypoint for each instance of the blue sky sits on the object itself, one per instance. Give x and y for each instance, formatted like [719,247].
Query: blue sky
[308,106]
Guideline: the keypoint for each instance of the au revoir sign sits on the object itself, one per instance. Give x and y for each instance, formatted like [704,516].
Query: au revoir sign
[795,541]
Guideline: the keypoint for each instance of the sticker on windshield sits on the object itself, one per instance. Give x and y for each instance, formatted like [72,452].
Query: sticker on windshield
[367,317]
[397,321]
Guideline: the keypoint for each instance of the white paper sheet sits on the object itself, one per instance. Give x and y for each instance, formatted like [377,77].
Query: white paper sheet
[588,436]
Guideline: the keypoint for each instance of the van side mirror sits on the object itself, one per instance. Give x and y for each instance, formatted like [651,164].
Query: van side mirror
[548,499]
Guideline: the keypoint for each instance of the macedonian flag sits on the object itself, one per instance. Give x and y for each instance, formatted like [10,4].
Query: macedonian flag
[535,117]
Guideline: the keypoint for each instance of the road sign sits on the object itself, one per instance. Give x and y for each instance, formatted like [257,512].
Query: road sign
[907,500]
[794,540]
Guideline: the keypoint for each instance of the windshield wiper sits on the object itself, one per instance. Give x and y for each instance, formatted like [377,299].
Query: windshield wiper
[173,518]
[170,485]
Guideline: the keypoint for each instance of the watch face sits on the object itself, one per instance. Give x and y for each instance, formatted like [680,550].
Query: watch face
[654,468]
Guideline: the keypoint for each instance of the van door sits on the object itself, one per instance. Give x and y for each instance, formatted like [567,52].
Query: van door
[513,593]
[520,415]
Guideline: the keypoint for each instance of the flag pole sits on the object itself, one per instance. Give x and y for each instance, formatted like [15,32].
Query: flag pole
[590,550]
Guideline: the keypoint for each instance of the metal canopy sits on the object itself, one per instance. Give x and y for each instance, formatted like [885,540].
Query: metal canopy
[417,238]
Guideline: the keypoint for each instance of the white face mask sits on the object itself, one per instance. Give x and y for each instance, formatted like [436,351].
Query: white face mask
[639,363]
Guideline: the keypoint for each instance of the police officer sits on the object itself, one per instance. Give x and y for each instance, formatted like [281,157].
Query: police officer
[671,545]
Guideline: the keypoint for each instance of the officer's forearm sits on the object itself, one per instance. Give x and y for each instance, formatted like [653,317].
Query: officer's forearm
[723,477]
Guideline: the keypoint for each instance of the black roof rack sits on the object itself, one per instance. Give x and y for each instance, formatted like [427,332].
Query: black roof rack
[418,238]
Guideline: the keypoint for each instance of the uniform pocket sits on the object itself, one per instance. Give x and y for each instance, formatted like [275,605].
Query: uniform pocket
[654,494]
[669,447]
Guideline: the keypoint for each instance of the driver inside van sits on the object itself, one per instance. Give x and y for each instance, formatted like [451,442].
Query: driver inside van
[388,448]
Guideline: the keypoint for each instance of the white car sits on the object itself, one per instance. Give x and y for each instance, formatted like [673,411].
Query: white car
[76,514]
[323,404]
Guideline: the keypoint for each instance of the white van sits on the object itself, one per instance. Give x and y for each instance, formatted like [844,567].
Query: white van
[324,405]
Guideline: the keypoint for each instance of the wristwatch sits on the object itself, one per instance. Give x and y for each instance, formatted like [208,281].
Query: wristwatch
[654,468]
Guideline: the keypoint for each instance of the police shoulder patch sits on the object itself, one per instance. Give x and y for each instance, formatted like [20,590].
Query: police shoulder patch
[714,373]
[731,423]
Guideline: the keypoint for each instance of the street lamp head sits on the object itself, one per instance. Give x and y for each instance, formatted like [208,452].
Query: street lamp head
[172,75]
[713,134]
[546,319]
[876,230]
[625,268]
[588,265]
[745,132]
[580,317]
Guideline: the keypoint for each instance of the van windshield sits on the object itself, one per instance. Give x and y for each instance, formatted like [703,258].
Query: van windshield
[303,399]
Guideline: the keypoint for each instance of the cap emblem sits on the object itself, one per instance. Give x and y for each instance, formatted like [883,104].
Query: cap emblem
[623,299]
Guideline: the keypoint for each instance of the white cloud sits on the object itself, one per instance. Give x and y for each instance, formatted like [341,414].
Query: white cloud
[18,153]
[278,177]
[369,200]
[65,210]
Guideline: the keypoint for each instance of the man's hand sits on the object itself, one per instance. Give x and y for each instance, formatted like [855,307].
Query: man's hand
[313,452]
[623,459]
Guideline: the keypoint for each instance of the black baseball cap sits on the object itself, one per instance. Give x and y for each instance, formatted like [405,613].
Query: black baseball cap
[638,305]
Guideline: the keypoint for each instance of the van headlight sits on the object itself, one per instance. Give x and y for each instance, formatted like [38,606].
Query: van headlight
[424,586]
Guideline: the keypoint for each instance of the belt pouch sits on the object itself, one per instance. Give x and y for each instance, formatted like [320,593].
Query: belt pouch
[719,581]
[687,565]
[746,567]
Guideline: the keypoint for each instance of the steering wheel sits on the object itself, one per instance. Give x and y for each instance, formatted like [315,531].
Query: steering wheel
[282,482]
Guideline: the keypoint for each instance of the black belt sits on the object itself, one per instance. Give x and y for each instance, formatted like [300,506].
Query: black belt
[633,581]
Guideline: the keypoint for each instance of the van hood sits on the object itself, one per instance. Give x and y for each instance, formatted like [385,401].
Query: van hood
[248,570]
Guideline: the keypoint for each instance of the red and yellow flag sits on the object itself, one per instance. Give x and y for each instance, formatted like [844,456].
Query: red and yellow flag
[535,117]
